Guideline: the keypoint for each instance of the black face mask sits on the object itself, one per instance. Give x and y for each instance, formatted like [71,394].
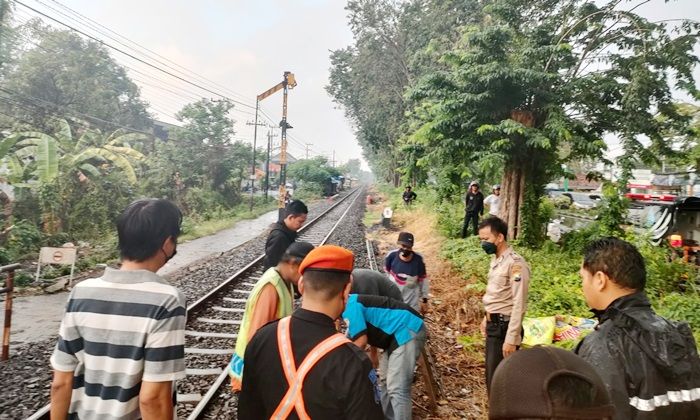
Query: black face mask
[489,247]
[406,253]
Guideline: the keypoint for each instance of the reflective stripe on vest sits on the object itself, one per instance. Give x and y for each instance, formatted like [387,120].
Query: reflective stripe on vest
[293,398]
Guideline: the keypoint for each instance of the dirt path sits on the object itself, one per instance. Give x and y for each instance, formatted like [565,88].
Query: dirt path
[453,323]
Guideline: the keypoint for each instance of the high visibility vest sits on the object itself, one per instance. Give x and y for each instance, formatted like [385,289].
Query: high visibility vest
[284,308]
[293,398]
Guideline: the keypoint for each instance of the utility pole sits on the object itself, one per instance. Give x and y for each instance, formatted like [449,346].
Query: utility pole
[252,164]
[307,149]
[333,161]
[267,162]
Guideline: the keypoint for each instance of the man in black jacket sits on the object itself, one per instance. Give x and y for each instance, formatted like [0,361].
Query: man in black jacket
[474,206]
[284,232]
[649,364]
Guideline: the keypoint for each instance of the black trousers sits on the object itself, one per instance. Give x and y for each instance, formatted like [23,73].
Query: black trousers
[495,337]
[473,217]
[496,331]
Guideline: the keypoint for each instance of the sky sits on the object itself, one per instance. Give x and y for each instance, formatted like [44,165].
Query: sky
[243,47]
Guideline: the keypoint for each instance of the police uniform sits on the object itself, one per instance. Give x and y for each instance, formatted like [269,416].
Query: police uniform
[300,367]
[505,303]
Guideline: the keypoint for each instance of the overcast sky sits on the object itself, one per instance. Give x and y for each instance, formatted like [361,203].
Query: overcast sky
[245,46]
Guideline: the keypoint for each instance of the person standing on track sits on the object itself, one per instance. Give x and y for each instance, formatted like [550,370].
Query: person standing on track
[473,207]
[284,232]
[493,200]
[121,344]
[300,366]
[649,364]
[399,330]
[505,300]
[272,298]
[407,269]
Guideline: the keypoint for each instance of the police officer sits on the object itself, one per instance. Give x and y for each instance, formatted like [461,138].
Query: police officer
[505,300]
[300,366]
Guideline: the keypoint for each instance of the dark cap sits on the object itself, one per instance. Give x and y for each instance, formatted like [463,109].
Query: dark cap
[299,249]
[405,238]
[522,387]
[328,258]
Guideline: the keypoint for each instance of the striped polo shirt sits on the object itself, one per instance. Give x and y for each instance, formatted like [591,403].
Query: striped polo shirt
[118,330]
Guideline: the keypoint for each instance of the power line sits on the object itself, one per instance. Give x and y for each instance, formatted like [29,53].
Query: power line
[201,77]
[131,55]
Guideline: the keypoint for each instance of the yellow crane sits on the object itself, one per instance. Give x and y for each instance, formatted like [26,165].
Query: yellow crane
[288,82]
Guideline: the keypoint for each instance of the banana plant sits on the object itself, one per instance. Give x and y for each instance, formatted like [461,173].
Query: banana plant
[62,153]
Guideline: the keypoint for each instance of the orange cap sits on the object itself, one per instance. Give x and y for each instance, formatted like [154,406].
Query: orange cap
[328,258]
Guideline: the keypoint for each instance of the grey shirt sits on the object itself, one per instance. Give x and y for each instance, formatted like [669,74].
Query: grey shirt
[370,282]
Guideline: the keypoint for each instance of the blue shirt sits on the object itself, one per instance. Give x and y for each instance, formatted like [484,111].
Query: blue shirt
[387,322]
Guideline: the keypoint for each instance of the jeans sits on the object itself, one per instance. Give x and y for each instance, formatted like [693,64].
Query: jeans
[397,377]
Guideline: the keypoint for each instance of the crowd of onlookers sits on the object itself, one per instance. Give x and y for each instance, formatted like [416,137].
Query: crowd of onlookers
[121,342]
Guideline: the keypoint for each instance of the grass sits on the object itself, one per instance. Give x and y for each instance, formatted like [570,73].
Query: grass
[199,228]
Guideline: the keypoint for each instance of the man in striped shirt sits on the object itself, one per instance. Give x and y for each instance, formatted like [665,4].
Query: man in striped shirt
[121,341]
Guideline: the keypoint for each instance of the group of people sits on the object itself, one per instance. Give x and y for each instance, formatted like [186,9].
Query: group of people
[121,343]
[635,365]
[278,347]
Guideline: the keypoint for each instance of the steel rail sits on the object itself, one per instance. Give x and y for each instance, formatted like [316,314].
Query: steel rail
[43,413]
[207,398]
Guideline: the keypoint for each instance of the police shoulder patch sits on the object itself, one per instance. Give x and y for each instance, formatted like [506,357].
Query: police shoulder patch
[516,272]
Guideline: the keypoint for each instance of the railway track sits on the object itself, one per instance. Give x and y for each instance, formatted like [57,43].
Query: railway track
[213,322]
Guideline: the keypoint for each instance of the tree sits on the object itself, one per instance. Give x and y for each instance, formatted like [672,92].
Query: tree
[533,76]
[315,171]
[61,74]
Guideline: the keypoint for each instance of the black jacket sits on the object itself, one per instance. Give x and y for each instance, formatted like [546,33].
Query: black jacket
[474,202]
[649,364]
[278,241]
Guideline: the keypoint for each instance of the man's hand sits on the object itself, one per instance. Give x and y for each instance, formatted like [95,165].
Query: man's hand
[482,327]
[508,349]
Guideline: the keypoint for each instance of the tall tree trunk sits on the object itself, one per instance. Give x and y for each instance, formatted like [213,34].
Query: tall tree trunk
[513,186]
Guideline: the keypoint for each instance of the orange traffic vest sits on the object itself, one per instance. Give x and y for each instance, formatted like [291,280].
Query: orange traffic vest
[295,377]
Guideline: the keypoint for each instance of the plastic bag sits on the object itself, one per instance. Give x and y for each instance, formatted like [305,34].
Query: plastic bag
[572,327]
[538,331]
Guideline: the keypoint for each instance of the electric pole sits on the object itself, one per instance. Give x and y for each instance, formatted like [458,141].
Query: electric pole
[267,161]
[333,158]
[252,164]
[307,149]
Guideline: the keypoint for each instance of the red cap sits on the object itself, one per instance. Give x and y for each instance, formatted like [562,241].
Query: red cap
[328,258]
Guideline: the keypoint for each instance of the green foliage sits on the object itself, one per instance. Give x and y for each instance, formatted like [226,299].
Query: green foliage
[60,73]
[312,173]
[613,212]
[24,238]
[555,284]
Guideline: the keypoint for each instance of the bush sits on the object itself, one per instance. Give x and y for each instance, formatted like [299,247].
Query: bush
[25,238]
[202,202]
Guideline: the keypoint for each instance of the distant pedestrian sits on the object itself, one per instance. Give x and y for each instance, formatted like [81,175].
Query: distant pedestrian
[371,282]
[284,232]
[399,330]
[121,343]
[548,383]
[272,298]
[408,196]
[300,366]
[473,207]
[649,364]
[505,299]
[407,269]
[493,200]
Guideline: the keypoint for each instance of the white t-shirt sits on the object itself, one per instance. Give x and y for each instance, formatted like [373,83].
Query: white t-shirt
[494,203]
